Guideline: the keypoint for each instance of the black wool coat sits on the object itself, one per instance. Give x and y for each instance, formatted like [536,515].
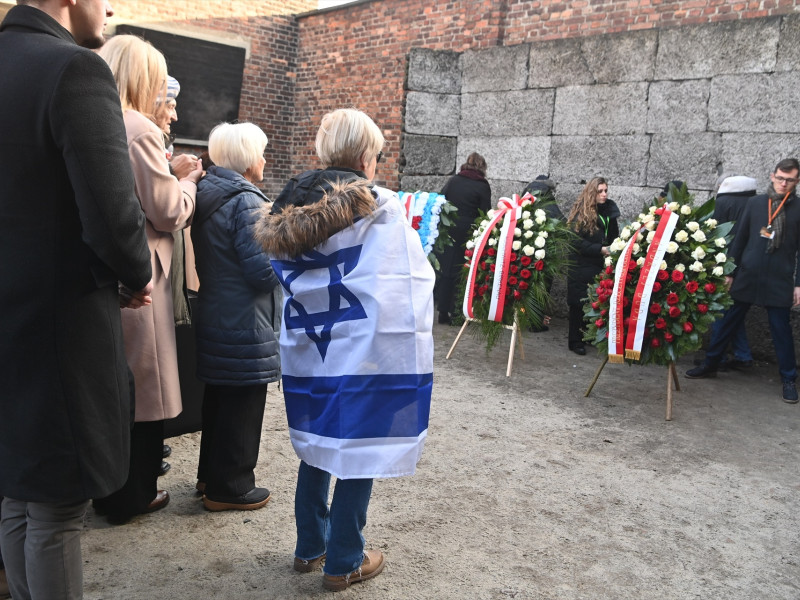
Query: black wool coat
[761,278]
[70,229]
[586,259]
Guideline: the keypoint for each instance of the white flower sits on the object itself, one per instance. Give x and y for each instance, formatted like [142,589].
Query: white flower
[527,224]
[544,234]
[470,245]
[681,236]
[672,247]
[721,258]
[711,223]
[699,253]
[645,219]
[608,261]
[636,248]
[673,206]
[693,226]
[625,233]
[526,214]
[539,254]
[517,232]
[650,236]
[528,250]
[639,237]
[491,212]
[663,265]
[699,236]
[476,233]
[680,267]
[697,266]
[492,242]
[617,245]
[720,242]
[539,242]
[484,224]
[527,235]
[635,226]
[686,209]
[640,261]
[516,245]
[540,214]
[526,203]
[540,220]
[717,271]
[650,225]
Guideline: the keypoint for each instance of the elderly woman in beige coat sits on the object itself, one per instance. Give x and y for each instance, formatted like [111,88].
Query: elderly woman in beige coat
[168,203]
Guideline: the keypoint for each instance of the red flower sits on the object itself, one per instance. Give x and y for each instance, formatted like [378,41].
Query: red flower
[628,277]
[609,270]
[603,297]
[655,308]
[525,260]
[599,291]
[660,323]
[632,266]
[513,257]
[625,301]
[595,304]
[692,286]
[512,280]
[468,253]
[517,295]
[488,277]
[513,268]
[491,252]
[702,308]
[674,311]
[599,322]
[525,273]
[626,322]
[655,342]
[415,222]
[688,327]
[662,275]
[608,283]
[710,288]
[677,276]
[523,285]
[539,265]
[604,312]
[668,336]
[483,265]
[656,287]
[672,298]
[491,267]
[483,289]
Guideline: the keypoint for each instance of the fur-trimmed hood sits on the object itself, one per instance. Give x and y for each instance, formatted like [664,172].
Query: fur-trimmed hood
[298,229]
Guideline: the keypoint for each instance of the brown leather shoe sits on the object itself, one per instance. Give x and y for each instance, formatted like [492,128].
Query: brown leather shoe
[159,502]
[373,564]
[306,566]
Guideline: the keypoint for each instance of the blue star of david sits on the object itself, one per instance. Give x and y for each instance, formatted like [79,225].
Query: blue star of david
[295,315]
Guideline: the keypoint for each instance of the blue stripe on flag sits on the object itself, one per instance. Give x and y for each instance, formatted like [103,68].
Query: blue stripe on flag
[359,406]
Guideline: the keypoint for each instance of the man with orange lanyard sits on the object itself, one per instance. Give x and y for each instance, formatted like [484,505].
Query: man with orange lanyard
[765,250]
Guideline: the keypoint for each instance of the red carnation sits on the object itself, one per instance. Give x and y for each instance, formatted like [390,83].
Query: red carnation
[688,327]
[660,323]
[513,268]
[468,253]
[674,312]
[513,257]
[523,285]
[632,266]
[656,287]
[655,308]
[702,308]
[491,267]
[668,336]
[416,221]
[539,265]
[604,312]
[525,260]
[609,270]
[483,265]
[517,295]
[692,286]
[710,288]
[599,322]
[677,276]
[599,291]
[595,304]
[609,283]
[512,280]
[655,343]
[672,298]
[525,273]
[491,252]
[662,275]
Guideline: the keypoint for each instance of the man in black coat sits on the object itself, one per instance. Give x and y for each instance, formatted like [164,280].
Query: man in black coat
[765,250]
[71,228]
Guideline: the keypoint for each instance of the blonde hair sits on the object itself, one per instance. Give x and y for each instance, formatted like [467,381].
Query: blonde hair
[236,146]
[583,216]
[139,70]
[345,135]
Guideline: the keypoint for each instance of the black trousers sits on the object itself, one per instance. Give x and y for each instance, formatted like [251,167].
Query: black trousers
[232,418]
[576,325]
[147,443]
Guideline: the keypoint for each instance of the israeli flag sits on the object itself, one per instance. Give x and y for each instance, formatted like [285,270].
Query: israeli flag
[357,347]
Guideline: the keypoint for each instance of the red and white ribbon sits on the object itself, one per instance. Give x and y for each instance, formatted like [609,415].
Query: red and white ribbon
[408,203]
[616,330]
[509,210]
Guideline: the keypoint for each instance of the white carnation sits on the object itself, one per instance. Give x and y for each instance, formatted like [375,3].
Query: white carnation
[721,258]
[527,224]
[697,266]
[650,225]
[544,234]
[720,242]
[648,218]
[492,242]
[686,209]
[673,206]
[699,253]
[608,261]
[680,267]
[540,214]
[517,232]
[636,248]
[491,212]
[640,261]
[539,254]
[528,250]
[516,245]
[625,233]
[717,271]
[617,245]
[470,245]
[540,220]
[681,236]
[527,235]
[526,214]
[699,236]
[672,247]
[693,226]
[663,265]
[711,223]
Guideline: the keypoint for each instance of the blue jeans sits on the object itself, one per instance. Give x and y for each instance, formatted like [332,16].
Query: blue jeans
[779,326]
[739,344]
[335,531]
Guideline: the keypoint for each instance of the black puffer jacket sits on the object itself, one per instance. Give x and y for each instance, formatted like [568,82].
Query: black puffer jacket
[586,258]
[310,186]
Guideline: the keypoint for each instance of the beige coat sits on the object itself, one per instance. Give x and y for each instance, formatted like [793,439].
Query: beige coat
[150,331]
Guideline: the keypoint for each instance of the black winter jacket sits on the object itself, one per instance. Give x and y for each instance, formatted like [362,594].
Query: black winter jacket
[586,258]
[239,303]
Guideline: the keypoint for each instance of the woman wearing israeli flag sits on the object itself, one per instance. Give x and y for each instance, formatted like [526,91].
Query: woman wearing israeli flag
[356,342]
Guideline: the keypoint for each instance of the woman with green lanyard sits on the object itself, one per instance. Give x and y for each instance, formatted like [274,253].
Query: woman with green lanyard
[593,219]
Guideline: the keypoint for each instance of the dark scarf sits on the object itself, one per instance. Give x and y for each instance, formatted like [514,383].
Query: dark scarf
[779,221]
[472,174]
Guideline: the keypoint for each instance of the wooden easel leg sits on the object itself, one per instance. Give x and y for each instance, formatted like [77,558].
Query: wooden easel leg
[511,348]
[675,379]
[670,369]
[519,340]
[596,376]
[458,337]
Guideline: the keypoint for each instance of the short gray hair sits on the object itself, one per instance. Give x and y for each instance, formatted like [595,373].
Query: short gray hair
[236,146]
[345,135]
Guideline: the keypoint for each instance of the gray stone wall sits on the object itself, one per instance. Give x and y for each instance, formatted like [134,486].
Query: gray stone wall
[639,109]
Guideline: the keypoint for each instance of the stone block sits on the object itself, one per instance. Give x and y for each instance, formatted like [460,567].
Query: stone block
[495,69]
[422,183]
[629,199]
[429,155]
[610,109]
[558,63]
[517,112]
[757,103]
[432,114]
[505,188]
[621,57]
[744,46]
[514,158]
[622,159]
[756,154]
[678,106]
[789,44]
[433,71]
[694,159]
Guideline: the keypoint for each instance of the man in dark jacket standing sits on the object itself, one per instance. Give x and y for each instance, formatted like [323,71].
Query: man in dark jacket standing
[71,228]
[765,250]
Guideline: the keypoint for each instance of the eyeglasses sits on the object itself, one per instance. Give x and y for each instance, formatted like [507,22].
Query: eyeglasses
[790,180]
[380,157]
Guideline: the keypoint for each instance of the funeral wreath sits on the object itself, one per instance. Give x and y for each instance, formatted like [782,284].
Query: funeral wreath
[432,216]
